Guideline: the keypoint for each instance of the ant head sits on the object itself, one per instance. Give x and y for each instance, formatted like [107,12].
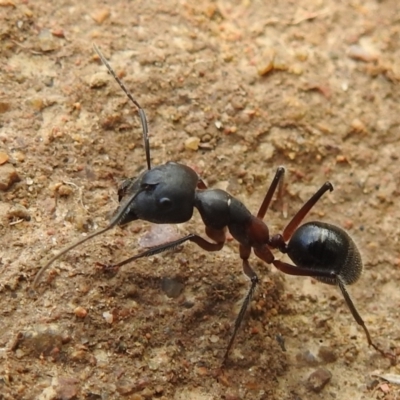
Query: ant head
[164,194]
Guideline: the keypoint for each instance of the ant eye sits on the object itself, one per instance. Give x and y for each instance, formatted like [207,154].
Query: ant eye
[147,187]
[165,202]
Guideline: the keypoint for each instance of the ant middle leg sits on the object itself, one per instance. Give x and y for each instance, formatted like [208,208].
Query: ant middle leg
[251,274]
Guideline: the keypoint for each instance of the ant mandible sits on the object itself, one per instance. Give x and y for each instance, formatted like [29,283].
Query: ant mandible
[168,194]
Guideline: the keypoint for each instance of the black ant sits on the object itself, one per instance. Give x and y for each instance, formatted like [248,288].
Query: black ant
[168,194]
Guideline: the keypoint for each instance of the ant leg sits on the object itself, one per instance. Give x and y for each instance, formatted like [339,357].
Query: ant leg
[201,184]
[314,272]
[250,273]
[308,205]
[360,321]
[278,179]
[217,235]
[333,277]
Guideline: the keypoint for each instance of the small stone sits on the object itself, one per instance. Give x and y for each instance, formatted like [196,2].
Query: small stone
[67,388]
[4,107]
[18,212]
[3,157]
[99,16]
[7,3]
[8,176]
[266,64]
[218,125]
[327,354]
[192,143]
[19,156]
[214,339]
[37,103]
[47,41]
[41,342]
[159,359]
[202,371]
[98,80]
[125,387]
[136,396]
[108,317]
[359,53]
[65,190]
[318,380]
[80,312]
[171,287]
[358,126]
[306,358]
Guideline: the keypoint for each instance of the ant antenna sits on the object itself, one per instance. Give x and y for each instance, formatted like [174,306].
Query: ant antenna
[126,202]
[119,214]
[142,114]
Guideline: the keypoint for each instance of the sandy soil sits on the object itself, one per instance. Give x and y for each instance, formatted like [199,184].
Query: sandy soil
[311,85]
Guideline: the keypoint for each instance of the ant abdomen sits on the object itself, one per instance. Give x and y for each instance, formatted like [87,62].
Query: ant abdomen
[321,246]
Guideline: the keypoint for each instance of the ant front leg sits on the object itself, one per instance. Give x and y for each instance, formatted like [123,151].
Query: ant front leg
[218,236]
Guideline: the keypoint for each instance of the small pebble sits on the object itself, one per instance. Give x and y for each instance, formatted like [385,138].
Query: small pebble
[80,312]
[192,143]
[125,387]
[47,42]
[98,80]
[101,15]
[214,339]
[17,212]
[41,342]
[202,371]
[67,388]
[267,63]
[318,379]
[37,103]
[306,358]
[171,287]
[7,3]
[358,126]
[359,53]
[327,354]
[108,317]
[4,107]
[8,176]
[218,125]
[3,157]
[65,190]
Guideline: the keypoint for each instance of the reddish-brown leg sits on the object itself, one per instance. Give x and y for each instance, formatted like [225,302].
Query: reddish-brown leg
[278,178]
[218,236]
[308,205]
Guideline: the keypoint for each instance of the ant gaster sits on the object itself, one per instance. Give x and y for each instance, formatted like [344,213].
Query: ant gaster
[168,194]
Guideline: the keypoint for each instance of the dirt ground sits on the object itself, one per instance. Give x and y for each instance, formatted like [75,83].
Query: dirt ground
[311,85]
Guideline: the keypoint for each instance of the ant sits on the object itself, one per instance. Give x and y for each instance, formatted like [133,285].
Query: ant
[168,194]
